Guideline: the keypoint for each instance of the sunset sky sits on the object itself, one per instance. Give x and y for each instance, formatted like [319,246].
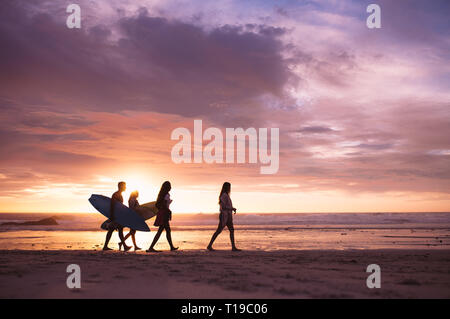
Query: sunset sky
[364,114]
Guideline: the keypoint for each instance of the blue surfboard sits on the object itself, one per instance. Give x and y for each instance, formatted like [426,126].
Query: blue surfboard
[123,215]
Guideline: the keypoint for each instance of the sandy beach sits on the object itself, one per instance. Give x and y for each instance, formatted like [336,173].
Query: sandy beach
[284,256]
[224,274]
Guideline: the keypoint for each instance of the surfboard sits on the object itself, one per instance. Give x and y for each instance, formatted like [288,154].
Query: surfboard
[123,215]
[148,210]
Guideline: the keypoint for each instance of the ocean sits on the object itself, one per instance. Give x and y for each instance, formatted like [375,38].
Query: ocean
[268,231]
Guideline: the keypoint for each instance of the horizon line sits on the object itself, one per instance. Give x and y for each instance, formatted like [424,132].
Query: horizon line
[260,213]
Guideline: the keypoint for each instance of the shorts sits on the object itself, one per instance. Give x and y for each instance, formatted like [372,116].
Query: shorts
[110,225]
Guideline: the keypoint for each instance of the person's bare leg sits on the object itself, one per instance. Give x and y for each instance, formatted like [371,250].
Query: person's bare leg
[213,238]
[133,238]
[128,235]
[169,238]
[155,240]
[233,245]
[122,239]
[108,237]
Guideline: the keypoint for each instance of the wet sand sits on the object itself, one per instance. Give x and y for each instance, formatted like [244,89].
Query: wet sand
[248,237]
[224,274]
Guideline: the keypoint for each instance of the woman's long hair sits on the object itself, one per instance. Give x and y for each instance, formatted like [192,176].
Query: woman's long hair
[165,188]
[134,195]
[226,188]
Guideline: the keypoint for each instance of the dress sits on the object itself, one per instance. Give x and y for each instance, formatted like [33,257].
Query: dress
[164,214]
[226,212]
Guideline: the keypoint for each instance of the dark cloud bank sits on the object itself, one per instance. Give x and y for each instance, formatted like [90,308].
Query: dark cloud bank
[156,64]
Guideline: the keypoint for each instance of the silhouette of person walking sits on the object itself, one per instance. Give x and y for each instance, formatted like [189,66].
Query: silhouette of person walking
[113,225]
[225,216]
[163,216]
[134,205]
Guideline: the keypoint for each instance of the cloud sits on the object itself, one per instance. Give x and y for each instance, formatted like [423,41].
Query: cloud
[374,146]
[359,110]
[156,64]
[315,129]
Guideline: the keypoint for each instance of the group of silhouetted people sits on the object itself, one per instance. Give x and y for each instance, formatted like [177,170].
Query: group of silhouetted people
[163,217]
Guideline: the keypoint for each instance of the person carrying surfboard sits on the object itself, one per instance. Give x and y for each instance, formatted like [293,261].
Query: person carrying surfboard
[113,225]
[163,216]
[134,205]
[225,216]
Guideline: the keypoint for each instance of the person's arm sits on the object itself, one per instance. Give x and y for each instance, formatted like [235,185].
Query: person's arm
[168,201]
[231,204]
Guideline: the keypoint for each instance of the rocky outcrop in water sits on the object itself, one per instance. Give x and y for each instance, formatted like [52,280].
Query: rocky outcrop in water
[43,222]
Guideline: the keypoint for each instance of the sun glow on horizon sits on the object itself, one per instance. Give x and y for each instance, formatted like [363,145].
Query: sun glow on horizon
[148,190]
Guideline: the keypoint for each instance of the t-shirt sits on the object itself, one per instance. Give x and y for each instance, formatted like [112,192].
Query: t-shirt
[133,203]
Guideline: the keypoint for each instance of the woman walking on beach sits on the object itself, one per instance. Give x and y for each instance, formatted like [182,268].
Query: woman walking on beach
[225,216]
[163,216]
[134,205]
